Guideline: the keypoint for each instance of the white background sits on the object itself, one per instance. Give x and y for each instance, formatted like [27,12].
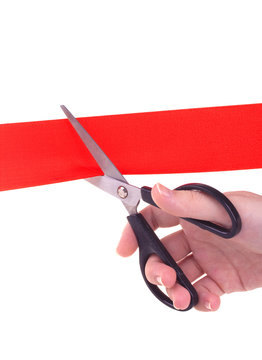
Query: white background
[64,293]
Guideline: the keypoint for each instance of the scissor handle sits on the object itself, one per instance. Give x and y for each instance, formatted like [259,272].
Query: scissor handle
[149,244]
[203,224]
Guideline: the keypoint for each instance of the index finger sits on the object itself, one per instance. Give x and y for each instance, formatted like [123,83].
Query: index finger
[155,217]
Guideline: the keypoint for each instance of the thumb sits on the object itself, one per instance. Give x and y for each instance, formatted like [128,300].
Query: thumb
[190,203]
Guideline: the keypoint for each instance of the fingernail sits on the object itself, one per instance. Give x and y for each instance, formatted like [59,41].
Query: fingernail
[208,306]
[163,191]
[159,280]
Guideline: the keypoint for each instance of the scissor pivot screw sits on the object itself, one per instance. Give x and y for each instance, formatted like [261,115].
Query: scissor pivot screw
[122,192]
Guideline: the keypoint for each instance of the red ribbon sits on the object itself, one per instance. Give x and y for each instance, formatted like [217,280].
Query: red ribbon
[177,141]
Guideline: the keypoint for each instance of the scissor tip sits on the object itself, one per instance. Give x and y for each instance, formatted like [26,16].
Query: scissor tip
[64,109]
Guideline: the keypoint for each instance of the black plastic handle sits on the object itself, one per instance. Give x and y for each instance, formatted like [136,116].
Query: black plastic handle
[149,244]
[203,224]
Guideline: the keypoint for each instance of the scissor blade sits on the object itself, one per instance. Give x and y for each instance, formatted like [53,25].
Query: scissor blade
[114,187]
[100,157]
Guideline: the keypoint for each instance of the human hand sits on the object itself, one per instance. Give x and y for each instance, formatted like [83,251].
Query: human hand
[215,265]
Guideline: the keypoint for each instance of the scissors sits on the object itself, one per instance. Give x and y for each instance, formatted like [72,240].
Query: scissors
[114,183]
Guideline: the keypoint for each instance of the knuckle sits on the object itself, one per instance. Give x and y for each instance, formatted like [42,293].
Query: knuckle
[193,198]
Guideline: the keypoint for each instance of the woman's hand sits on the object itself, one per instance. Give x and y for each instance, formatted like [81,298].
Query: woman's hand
[215,265]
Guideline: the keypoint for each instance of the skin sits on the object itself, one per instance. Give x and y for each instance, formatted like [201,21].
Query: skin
[216,266]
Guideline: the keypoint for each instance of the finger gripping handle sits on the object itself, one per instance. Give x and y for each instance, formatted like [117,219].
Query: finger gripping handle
[227,205]
[149,244]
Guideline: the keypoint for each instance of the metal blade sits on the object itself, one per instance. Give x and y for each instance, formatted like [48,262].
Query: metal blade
[100,157]
[129,195]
